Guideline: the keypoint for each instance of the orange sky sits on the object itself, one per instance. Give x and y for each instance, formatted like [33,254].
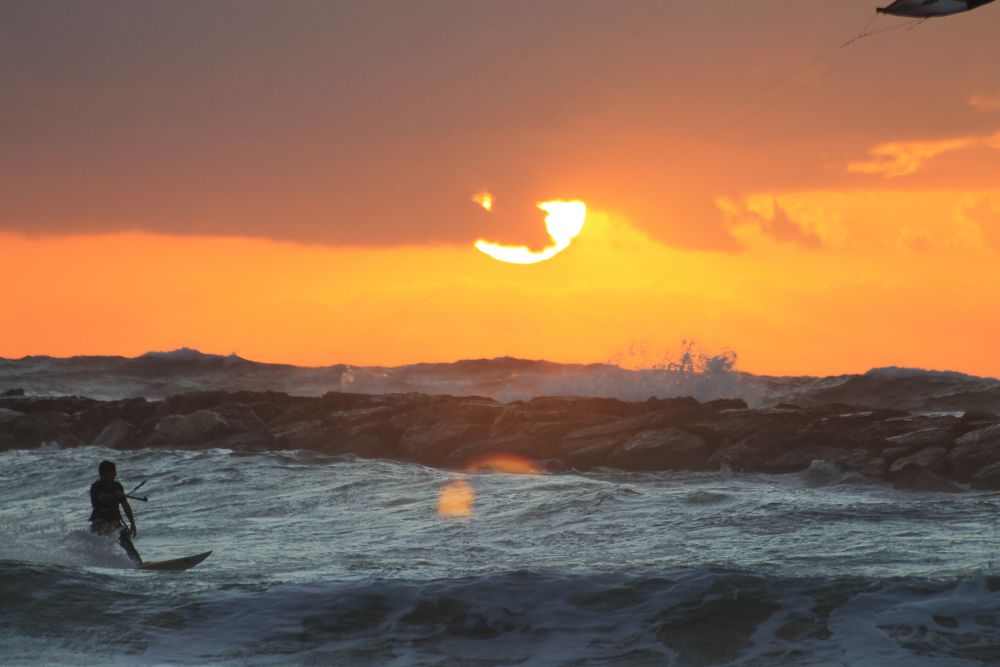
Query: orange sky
[295,185]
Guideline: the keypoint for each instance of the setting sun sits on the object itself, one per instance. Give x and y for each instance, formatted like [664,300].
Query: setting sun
[563,222]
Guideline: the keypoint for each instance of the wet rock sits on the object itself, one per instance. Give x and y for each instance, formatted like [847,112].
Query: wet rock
[519,418]
[925,437]
[893,453]
[242,442]
[931,459]
[742,426]
[526,446]
[433,443]
[914,478]
[611,407]
[118,434]
[854,460]
[721,404]
[974,451]
[988,479]
[738,458]
[314,435]
[911,451]
[199,428]
[31,429]
[188,429]
[663,449]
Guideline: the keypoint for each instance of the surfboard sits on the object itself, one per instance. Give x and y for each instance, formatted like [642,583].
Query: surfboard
[176,564]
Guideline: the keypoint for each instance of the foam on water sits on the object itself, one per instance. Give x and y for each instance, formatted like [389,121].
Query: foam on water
[321,560]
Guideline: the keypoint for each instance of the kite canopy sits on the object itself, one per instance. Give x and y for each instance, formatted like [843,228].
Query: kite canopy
[923,9]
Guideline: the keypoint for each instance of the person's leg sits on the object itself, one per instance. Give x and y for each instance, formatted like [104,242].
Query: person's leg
[125,540]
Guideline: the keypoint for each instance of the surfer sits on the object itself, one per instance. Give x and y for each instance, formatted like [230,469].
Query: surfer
[105,496]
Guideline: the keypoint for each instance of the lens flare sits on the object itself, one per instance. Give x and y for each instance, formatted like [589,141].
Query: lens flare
[456,499]
[484,199]
[510,464]
[564,222]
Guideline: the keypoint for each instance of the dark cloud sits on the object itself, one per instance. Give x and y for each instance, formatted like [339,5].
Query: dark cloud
[374,122]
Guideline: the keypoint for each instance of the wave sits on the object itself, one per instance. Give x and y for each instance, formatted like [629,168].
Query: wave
[688,617]
[157,375]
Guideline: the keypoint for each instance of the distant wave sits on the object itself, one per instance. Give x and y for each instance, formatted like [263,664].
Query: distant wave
[156,375]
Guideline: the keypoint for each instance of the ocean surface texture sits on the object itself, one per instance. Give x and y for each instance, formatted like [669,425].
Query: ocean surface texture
[366,562]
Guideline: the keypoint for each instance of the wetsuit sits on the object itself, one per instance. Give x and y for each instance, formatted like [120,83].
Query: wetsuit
[105,518]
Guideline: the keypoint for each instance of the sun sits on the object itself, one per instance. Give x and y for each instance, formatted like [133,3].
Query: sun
[563,222]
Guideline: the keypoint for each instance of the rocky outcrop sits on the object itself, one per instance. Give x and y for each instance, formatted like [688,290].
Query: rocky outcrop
[975,451]
[118,434]
[921,452]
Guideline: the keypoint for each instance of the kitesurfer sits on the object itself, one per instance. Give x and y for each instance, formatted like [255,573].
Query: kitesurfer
[105,496]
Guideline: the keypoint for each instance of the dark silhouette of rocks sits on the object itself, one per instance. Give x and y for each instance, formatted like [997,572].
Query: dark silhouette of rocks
[932,452]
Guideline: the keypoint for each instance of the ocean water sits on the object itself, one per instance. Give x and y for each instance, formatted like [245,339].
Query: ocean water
[351,562]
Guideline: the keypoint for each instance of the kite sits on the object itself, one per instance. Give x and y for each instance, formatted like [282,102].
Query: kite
[925,9]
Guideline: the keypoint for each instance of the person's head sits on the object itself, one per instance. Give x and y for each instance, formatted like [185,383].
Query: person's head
[107,471]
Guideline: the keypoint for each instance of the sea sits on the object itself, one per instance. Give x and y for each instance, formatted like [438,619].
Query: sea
[346,561]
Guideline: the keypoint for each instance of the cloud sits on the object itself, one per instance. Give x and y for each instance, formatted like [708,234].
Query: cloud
[916,240]
[985,103]
[768,220]
[986,215]
[902,158]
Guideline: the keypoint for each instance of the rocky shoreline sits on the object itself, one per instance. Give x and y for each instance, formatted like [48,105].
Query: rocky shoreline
[933,452]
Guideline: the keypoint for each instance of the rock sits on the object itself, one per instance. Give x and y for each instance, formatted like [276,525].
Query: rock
[854,460]
[524,446]
[915,478]
[738,458]
[246,441]
[611,407]
[37,425]
[13,392]
[314,435]
[974,451]
[663,449]
[593,445]
[912,451]
[892,453]
[118,434]
[723,429]
[551,424]
[931,459]
[988,479]
[434,443]
[203,428]
[925,437]
[720,404]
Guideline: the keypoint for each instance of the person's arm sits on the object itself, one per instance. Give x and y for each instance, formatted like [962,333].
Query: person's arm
[129,514]
[120,493]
